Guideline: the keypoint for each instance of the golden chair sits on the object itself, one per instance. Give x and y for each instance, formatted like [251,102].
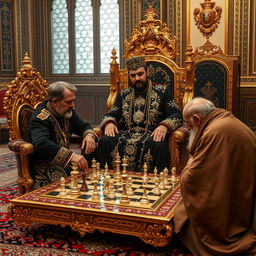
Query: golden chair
[153,40]
[217,77]
[23,95]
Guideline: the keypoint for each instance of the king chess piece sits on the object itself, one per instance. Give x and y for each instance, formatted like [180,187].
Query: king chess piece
[117,175]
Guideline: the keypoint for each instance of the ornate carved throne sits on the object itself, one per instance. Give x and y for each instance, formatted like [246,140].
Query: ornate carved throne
[217,77]
[23,95]
[152,39]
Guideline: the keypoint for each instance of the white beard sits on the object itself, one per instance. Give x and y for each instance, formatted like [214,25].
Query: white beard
[192,136]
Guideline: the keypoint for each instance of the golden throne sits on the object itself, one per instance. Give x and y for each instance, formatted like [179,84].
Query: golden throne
[217,77]
[152,39]
[23,95]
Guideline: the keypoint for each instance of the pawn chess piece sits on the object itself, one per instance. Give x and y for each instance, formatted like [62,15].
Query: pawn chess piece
[111,193]
[130,191]
[166,181]
[161,184]
[106,170]
[106,185]
[145,170]
[96,193]
[84,187]
[74,180]
[156,190]
[173,178]
[144,198]
[62,185]
[155,174]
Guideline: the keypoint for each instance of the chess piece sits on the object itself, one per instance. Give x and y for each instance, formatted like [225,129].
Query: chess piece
[84,187]
[106,185]
[130,191]
[161,184]
[144,198]
[145,169]
[111,193]
[173,176]
[166,181]
[74,180]
[95,194]
[155,174]
[106,170]
[124,164]
[62,185]
[156,190]
[124,198]
[94,170]
[117,173]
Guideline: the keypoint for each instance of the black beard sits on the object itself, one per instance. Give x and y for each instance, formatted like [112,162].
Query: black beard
[142,89]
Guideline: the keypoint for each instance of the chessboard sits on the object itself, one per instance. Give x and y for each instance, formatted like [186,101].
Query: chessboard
[151,201]
[133,203]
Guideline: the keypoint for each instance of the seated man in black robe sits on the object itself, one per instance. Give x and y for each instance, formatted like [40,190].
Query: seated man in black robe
[137,124]
[51,126]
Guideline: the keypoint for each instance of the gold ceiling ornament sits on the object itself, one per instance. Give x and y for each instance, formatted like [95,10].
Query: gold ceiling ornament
[151,36]
[208,18]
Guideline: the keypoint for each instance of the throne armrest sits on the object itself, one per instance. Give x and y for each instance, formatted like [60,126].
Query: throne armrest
[178,146]
[22,150]
[20,146]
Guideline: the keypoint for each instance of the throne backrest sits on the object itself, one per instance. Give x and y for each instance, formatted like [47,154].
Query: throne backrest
[23,95]
[152,39]
[217,77]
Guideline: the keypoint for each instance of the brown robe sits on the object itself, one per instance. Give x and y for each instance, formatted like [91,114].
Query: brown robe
[217,215]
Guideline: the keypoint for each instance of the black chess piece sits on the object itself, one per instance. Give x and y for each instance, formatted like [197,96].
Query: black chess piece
[84,186]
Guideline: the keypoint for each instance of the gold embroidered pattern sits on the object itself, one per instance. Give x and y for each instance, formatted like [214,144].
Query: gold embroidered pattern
[62,156]
[44,114]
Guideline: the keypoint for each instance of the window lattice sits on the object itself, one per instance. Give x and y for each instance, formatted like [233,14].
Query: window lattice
[84,37]
[109,32]
[59,32]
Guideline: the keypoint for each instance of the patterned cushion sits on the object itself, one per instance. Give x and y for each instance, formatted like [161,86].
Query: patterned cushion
[211,78]
[24,119]
[2,94]
[160,73]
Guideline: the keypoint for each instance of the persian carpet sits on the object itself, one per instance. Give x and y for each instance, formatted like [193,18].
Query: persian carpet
[53,240]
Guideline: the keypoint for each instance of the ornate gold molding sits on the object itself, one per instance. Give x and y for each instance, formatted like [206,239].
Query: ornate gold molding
[151,36]
[208,18]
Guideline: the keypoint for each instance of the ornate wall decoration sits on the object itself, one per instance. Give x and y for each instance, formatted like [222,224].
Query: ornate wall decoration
[7,44]
[208,18]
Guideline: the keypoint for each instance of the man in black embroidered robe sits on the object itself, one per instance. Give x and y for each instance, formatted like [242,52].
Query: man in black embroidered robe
[137,124]
[51,126]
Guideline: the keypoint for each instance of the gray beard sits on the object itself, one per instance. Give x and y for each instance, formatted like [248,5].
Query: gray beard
[192,136]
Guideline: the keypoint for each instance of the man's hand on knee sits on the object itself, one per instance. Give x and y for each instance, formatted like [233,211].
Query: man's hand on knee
[80,161]
[110,130]
[89,144]
[159,133]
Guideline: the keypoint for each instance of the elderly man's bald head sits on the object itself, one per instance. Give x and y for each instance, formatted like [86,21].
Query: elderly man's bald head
[199,106]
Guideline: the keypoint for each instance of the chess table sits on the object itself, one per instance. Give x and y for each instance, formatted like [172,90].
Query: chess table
[151,222]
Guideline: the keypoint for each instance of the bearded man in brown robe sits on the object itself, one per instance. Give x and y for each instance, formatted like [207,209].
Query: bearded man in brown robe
[217,213]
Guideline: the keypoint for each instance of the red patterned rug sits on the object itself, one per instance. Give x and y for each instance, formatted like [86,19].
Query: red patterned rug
[51,240]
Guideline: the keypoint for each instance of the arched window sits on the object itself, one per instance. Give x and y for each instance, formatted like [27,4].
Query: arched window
[83,33]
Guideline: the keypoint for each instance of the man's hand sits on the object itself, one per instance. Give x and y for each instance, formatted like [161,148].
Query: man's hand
[110,130]
[159,133]
[80,161]
[89,144]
